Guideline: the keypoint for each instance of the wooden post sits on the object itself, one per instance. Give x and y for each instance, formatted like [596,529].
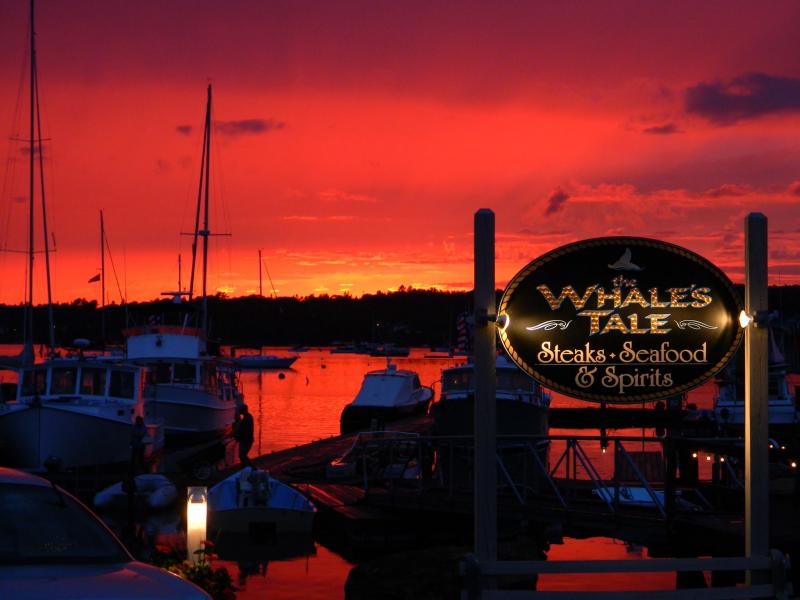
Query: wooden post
[485,420]
[756,415]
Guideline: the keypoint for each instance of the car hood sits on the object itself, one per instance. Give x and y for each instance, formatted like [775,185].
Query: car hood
[95,582]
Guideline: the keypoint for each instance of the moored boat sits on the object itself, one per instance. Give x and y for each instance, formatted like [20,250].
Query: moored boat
[385,395]
[72,412]
[152,491]
[522,404]
[250,501]
[263,361]
[193,392]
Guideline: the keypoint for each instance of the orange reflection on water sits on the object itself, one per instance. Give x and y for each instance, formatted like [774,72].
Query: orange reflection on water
[602,549]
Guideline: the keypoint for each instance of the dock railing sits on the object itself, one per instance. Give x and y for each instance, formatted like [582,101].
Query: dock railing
[773,585]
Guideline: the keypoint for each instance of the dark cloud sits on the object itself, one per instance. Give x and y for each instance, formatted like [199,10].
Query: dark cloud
[745,97]
[184,129]
[666,129]
[727,189]
[556,201]
[248,126]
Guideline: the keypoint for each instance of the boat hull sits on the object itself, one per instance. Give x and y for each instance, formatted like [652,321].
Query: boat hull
[363,418]
[61,437]
[189,415]
[260,520]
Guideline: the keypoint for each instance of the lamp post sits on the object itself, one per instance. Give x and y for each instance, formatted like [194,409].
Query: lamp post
[196,516]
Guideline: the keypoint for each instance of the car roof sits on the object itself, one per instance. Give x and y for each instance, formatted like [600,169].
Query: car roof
[21,478]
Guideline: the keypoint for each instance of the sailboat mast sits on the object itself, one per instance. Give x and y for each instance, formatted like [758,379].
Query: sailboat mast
[28,329]
[102,280]
[205,231]
[50,319]
[260,286]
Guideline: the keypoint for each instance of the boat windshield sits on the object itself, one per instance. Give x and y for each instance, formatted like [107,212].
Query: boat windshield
[93,381]
[40,525]
[121,385]
[34,382]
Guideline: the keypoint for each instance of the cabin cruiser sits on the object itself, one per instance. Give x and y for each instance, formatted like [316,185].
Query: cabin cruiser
[250,501]
[385,395]
[193,392]
[72,412]
[783,407]
[522,404]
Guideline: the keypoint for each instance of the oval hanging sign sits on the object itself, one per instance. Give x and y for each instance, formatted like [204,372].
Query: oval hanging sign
[620,319]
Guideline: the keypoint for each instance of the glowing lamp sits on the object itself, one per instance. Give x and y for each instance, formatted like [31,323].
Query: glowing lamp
[794,464]
[694,454]
[722,459]
[757,319]
[708,458]
[196,516]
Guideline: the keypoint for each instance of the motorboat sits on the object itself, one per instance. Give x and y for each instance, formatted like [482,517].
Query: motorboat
[192,391]
[522,404]
[252,502]
[263,361]
[385,395]
[73,412]
[151,491]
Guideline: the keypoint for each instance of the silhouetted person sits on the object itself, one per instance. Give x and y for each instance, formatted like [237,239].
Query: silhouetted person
[138,435]
[243,433]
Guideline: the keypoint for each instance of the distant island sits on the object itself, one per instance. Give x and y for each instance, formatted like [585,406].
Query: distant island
[409,317]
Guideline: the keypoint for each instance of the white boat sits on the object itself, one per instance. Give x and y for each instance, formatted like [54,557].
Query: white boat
[251,501]
[72,412]
[189,385]
[522,404]
[263,361]
[195,394]
[152,491]
[385,395]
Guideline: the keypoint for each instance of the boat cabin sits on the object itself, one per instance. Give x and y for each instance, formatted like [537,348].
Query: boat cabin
[388,387]
[67,379]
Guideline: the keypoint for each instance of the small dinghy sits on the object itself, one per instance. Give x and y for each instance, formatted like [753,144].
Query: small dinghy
[252,502]
[152,491]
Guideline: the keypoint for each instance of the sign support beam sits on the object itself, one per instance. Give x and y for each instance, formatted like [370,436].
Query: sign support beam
[756,416]
[485,520]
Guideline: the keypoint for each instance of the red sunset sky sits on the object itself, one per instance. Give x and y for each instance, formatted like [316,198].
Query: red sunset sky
[355,140]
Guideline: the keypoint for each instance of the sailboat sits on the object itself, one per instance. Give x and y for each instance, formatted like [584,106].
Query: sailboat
[67,412]
[188,386]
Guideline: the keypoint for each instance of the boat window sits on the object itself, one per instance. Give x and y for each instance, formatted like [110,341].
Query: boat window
[159,373]
[121,385]
[93,381]
[34,382]
[40,525]
[513,380]
[63,381]
[458,380]
[210,376]
[184,373]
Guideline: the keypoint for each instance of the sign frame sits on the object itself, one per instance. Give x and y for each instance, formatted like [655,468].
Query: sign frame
[722,283]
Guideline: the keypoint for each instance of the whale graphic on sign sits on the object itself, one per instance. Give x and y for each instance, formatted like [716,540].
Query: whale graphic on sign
[624,263]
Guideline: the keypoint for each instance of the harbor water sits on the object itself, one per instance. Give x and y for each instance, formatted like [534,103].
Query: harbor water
[302,404]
